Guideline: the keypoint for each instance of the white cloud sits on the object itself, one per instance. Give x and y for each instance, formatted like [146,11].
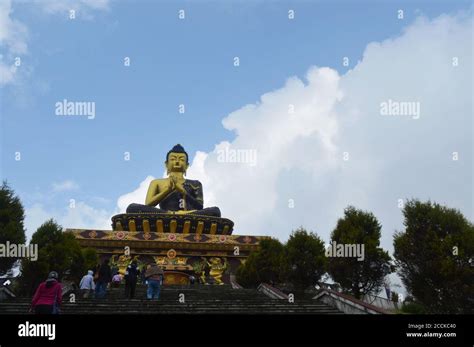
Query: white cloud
[14,33]
[82,216]
[34,217]
[13,38]
[300,155]
[249,194]
[64,186]
[7,72]
[137,196]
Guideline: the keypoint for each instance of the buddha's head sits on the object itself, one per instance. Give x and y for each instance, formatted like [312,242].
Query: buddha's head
[177,160]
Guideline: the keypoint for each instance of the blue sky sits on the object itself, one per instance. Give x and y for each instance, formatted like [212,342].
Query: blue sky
[190,62]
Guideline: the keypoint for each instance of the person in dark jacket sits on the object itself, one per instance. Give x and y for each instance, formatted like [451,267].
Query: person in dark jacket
[48,296]
[131,277]
[103,279]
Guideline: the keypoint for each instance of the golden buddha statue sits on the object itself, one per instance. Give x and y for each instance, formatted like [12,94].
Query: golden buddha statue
[175,194]
[180,205]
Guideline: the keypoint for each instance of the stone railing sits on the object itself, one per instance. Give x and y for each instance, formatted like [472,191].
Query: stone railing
[382,303]
[271,292]
[68,287]
[347,303]
[233,282]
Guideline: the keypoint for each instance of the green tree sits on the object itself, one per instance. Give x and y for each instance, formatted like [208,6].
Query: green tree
[356,276]
[91,259]
[262,266]
[58,251]
[434,256]
[11,225]
[305,259]
[246,274]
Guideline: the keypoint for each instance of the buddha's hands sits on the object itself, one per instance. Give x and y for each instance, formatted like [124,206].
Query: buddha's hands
[180,188]
[177,185]
[171,186]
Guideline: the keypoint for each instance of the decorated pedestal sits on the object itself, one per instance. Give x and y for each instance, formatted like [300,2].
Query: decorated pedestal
[210,258]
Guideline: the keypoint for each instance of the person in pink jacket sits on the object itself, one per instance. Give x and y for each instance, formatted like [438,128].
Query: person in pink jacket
[48,296]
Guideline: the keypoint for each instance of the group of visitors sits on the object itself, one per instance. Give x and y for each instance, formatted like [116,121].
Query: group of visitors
[48,296]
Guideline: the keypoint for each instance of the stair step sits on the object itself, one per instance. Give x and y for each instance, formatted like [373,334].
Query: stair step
[198,300]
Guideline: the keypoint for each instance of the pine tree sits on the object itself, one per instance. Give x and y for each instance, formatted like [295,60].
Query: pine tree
[359,276]
[11,225]
[435,257]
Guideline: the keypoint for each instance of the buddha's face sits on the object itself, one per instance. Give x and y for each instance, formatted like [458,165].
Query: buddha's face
[177,162]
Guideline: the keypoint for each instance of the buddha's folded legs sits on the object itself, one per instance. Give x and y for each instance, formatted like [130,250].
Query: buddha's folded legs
[208,211]
[139,208]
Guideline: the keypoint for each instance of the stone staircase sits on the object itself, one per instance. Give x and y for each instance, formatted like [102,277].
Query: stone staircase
[198,299]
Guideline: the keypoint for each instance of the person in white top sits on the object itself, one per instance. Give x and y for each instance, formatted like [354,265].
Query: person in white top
[87,284]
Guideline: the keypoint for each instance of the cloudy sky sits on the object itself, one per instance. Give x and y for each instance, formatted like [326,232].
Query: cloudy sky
[305,97]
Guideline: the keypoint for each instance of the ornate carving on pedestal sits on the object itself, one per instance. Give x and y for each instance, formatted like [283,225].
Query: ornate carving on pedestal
[122,262]
[217,267]
[173,263]
[171,254]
